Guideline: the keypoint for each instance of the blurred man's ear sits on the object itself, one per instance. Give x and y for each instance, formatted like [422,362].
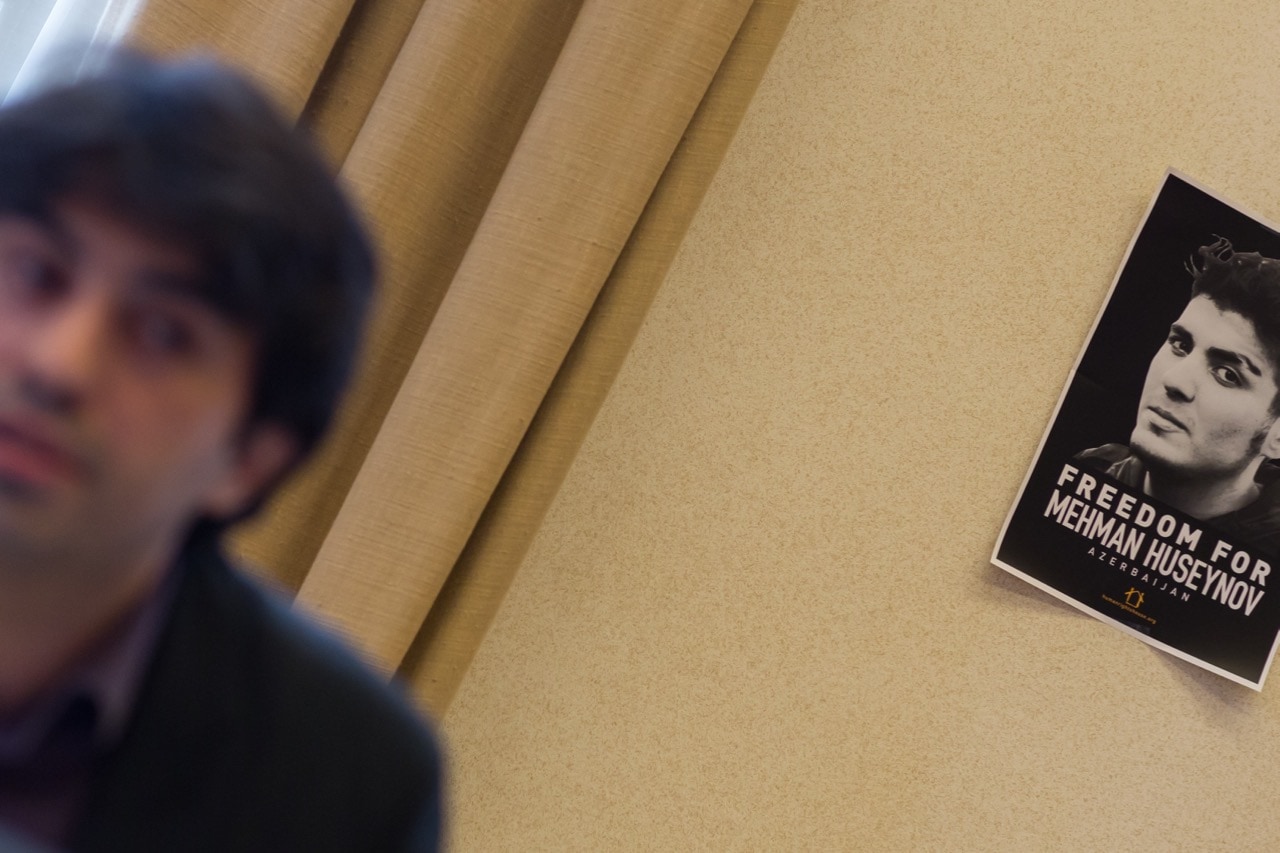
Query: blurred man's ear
[264,452]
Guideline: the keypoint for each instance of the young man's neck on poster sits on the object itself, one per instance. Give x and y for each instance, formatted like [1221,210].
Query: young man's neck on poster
[1205,498]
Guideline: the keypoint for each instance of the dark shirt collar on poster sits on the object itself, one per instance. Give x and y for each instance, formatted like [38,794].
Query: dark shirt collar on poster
[1257,522]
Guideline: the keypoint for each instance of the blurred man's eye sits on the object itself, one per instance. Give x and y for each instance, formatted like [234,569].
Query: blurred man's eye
[30,273]
[160,332]
[31,267]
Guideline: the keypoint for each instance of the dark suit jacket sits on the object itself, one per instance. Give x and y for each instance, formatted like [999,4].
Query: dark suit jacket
[255,731]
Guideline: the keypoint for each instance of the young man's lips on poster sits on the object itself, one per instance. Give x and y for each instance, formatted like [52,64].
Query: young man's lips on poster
[1164,420]
[35,453]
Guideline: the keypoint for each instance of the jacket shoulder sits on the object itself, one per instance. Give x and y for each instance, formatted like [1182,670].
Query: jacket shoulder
[258,730]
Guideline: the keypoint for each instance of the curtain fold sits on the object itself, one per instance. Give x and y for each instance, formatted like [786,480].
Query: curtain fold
[371,42]
[504,154]
[470,596]
[284,43]
[621,94]
[427,158]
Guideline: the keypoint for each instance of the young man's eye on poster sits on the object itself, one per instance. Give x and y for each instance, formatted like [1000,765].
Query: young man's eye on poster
[182,290]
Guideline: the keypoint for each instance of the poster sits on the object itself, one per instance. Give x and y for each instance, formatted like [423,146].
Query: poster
[1153,501]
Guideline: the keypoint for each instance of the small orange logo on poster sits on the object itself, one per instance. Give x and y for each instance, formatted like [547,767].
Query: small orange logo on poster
[1133,598]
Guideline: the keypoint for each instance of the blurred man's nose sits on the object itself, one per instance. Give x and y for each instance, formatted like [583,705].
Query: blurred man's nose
[67,352]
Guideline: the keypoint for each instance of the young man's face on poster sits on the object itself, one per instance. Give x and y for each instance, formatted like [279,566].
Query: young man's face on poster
[1206,407]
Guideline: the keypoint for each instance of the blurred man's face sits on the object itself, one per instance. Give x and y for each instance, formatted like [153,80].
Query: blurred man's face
[122,395]
[1206,404]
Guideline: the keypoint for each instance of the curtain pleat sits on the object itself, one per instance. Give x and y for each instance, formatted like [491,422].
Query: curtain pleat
[356,69]
[426,161]
[284,43]
[620,96]
[511,157]
[470,596]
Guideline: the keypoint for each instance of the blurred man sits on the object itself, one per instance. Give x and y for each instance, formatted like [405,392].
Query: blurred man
[1207,426]
[181,290]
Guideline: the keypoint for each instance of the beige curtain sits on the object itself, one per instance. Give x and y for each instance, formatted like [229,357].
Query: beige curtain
[529,168]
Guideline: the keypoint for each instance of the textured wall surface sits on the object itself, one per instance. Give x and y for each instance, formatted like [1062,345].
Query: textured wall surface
[760,614]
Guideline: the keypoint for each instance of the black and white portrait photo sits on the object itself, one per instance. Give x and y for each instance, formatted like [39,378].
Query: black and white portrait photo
[1153,502]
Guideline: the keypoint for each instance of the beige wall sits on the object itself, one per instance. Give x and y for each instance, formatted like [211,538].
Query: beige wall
[760,615]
